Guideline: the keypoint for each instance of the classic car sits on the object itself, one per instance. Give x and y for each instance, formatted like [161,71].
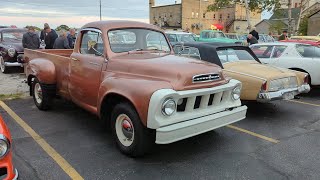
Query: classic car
[313,38]
[175,37]
[311,42]
[11,49]
[265,38]
[216,36]
[260,82]
[146,93]
[295,56]
[7,170]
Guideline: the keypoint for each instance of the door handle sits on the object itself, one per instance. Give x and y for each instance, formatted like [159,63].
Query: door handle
[75,59]
[93,63]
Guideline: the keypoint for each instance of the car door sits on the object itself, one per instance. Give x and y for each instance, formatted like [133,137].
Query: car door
[277,58]
[86,67]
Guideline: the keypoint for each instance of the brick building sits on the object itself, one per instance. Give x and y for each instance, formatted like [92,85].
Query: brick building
[192,15]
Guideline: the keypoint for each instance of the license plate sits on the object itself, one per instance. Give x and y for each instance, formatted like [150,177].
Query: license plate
[288,96]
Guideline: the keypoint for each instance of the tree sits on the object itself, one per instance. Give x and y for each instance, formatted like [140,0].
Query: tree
[254,5]
[303,27]
[63,27]
[278,26]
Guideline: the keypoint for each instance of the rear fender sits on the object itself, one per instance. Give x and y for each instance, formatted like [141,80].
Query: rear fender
[44,70]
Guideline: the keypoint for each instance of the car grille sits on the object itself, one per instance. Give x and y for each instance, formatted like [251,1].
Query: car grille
[283,83]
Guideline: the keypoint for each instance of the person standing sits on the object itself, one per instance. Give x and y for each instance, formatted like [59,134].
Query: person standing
[30,39]
[50,37]
[71,38]
[252,40]
[62,41]
[283,36]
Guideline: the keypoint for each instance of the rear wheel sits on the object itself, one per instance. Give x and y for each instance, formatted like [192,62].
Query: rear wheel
[42,98]
[132,138]
[3,67]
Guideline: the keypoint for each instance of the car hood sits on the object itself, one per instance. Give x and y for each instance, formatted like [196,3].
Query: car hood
[16,45]
[178,71]
[254,68]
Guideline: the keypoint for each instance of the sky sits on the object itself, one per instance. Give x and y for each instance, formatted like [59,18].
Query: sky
[73,13]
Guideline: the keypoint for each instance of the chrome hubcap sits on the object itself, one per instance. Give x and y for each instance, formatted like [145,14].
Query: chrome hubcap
[2,66]
[124,130]
[38,93]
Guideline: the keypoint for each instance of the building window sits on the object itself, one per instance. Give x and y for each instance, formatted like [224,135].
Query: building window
[220,16]
[197,15]
[214,16]
[192,14]
[228,16]
[204,15]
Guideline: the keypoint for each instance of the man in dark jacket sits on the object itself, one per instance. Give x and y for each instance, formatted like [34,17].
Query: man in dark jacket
[62,41]
[252,40]
[71,37]
[254,33]
[283,36]
[50,38]
[30,39]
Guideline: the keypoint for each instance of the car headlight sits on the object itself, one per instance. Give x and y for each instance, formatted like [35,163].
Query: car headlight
[236,92]
[11,52]
[4,146]
[169,107]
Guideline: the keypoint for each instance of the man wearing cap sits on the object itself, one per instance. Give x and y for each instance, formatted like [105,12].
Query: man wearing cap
[30,39]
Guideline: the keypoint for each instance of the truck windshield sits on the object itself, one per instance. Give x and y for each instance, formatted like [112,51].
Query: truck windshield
[126,40]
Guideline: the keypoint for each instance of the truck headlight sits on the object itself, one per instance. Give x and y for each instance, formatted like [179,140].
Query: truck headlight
[236,92]
[11,52]
[169,106]
[4,146]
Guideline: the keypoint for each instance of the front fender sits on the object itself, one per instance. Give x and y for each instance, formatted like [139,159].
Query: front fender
[137,91]
[43,69]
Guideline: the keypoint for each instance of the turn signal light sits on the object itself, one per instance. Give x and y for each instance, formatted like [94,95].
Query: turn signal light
[264,86]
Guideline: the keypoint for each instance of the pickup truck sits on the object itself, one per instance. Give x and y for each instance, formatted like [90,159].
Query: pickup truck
[139,87]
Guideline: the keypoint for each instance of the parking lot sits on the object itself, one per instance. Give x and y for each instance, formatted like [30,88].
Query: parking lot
[279,140]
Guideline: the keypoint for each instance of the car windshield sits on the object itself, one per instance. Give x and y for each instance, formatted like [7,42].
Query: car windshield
[185,38]
[126,40]
[213,34]
[232,55]
[12,36]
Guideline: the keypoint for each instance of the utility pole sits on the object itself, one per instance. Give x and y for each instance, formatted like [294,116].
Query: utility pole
[100,11]
[248,14]
[289,17]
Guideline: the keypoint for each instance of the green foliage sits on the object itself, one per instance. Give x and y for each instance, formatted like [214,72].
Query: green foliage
[35,28]
[303,27]
[63,27]
[278,26]
[254,5]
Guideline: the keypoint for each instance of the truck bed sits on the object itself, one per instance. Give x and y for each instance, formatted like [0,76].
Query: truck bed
[60,58]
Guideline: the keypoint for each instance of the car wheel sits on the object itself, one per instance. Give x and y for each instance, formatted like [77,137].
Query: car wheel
[132,138]
[3,67]
[41,98]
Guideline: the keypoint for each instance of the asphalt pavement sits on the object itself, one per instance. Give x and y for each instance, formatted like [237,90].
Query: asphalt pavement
[241,152]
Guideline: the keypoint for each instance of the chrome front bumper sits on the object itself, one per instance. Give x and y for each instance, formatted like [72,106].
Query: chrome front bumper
[13,64]
[186,129]
[283,94]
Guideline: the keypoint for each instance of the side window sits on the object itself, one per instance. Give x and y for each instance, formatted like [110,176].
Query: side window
[278,50]
[317,52]
[306,50]
[186,51]
[172,37]
[157,41]
[92,43]
[262,51]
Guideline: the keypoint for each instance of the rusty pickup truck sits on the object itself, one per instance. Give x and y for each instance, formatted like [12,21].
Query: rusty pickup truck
[127,74]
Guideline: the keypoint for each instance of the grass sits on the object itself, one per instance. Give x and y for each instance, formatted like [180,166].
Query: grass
[10,96]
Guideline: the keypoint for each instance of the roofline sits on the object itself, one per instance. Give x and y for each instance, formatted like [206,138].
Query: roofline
[166,5]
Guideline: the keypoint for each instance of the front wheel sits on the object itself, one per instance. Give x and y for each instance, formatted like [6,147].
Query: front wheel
[42,98]
[3,67]
[132,138]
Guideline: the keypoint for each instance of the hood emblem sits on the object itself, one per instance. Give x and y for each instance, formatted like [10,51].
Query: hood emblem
[205,78]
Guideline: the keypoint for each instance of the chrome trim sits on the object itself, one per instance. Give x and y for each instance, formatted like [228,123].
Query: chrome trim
[14,64]
[209,75]
[16,174]
[4,138]
[278,95]
[246,74]
[91,29]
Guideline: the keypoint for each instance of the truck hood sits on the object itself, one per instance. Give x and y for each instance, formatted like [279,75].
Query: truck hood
[178,71]
[254,68]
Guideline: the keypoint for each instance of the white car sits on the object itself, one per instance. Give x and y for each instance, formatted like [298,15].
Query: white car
[295,56]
